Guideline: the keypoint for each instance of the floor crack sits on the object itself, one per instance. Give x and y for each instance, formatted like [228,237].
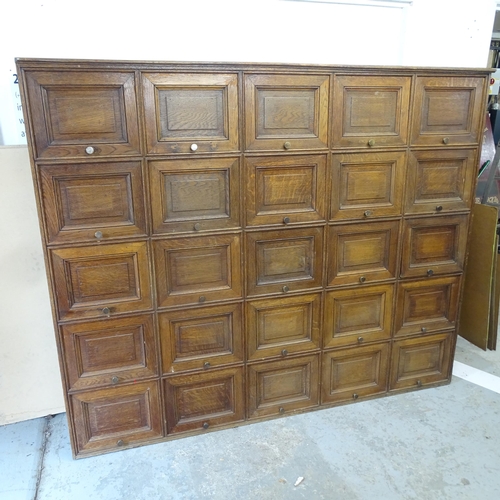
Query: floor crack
[45,439]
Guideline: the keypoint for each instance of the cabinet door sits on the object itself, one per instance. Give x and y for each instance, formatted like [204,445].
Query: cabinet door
[362,253]
[420,361]
[447,111]
[284,261]
[92,201]
[426,306]
[201,338]
[285,190]
[277,387]
[370,111]
[434,246]
[198,269]
[109,419]
[191,112]
[102,280]
[348,374]
[440,180]
[286,112]
[283,326]
[109,352]
[194,195]
[366,185]
[356,316]
[83,113]
[204,400]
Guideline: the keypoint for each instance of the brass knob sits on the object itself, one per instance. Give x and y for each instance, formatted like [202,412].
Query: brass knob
[285,289]
[281,410]
[360,339]
[287,145]
[446,140]
[197,226]
[106,311]
[286,220]
[89,150]
[206,365]
[439,208]
[193,147]
[202,298]
[371,143]
[430,272]
[419,383]
[362,279]
[114,380]
[98,234]
[284,352]
[367,213]
[206,425]
[120,442]
[424,330]
[355,396]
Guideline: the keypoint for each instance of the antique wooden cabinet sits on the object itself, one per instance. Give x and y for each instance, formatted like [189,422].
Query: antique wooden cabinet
[232,242]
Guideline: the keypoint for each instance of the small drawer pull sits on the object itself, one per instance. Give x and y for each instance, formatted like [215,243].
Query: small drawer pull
[286,220]
[419,383]
[424,329]
[430,272]
[285,289]
[202,298]
[206,365]
[193,147]
[281,410]
[287,145]
[114,380]
[371,142]
[355,396]
[367,213]
[106,311]
[446,140]
[439,208]
[98,235]
[120,442]
[362,279]
[197,226]
[89,150]
[206,425]
[284,352]
[360,339]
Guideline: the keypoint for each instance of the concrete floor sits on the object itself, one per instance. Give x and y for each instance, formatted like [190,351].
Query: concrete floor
[441,443]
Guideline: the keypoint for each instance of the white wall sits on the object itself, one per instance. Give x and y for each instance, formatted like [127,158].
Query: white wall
[426,33]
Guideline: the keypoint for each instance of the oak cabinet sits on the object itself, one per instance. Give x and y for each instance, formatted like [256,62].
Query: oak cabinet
[235,242]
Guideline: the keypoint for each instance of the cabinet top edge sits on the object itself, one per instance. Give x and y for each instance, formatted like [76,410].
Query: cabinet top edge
[98,64]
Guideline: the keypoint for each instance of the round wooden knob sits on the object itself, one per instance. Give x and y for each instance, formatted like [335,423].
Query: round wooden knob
[362,279]
[360,339]
[371,143]
[355,396]
[202,298]
[367,213]
[206,425]
[206,365]
[446,140]
[197,226]
[423,329]
[287,145]
[284,352]
[114,380]
[281,410]
[120,442]
[439,208]
[285,289]
[286,220]
[430,272]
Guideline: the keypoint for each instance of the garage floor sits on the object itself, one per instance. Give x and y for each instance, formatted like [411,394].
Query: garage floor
[441,443]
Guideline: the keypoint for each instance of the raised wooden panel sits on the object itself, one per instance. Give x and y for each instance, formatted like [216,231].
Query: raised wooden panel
[427,306]
[277,387]
[420,361]
[109,352]
[109,419]
[362,253]
[365,185]
[182,109]
[447,111]
[355,316]
[92,201]
[285,260]
[440,181]
[201,337]
[204,400]
[348,374]
[286,112]
[101,280]
[285,190]
[283,326]
[371,111]
[74,110]
[194,195]
[434,246]
[198,269]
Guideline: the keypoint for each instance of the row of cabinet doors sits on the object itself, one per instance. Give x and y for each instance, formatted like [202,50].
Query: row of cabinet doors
[100,201]
[90,113]
[95,281]
[118,350]
[111,418]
